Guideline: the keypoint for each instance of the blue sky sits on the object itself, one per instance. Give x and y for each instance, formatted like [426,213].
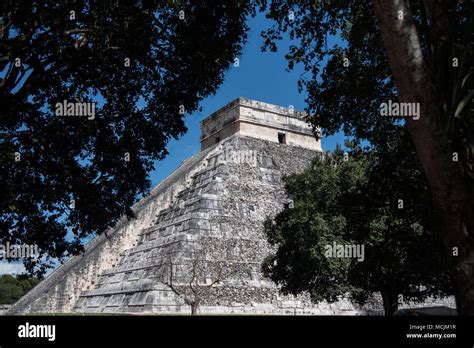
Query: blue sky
[261,76]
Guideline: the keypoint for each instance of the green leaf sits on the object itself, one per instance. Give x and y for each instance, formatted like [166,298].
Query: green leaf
[463,103]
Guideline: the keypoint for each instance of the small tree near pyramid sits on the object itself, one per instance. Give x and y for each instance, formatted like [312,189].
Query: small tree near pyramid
[208,263]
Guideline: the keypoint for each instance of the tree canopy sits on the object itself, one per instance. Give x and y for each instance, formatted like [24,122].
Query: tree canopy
[145,65]
[12,288]
[349,78]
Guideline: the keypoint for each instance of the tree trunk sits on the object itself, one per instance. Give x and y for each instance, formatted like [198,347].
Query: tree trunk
[194,308]
[390,302]
[453,203]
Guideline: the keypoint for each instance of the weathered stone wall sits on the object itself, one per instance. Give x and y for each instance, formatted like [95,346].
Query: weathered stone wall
[4,309]
[268,133]
[258,120]
[227,131]
[238,186]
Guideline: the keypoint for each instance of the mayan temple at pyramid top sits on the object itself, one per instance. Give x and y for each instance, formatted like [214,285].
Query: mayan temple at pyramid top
[258,120]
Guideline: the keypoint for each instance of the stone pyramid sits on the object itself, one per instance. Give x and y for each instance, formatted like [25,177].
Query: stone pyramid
[219,198]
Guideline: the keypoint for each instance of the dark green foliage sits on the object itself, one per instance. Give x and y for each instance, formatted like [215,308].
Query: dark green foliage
[347,98]
[174,64]
[346,202]
[12,288]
